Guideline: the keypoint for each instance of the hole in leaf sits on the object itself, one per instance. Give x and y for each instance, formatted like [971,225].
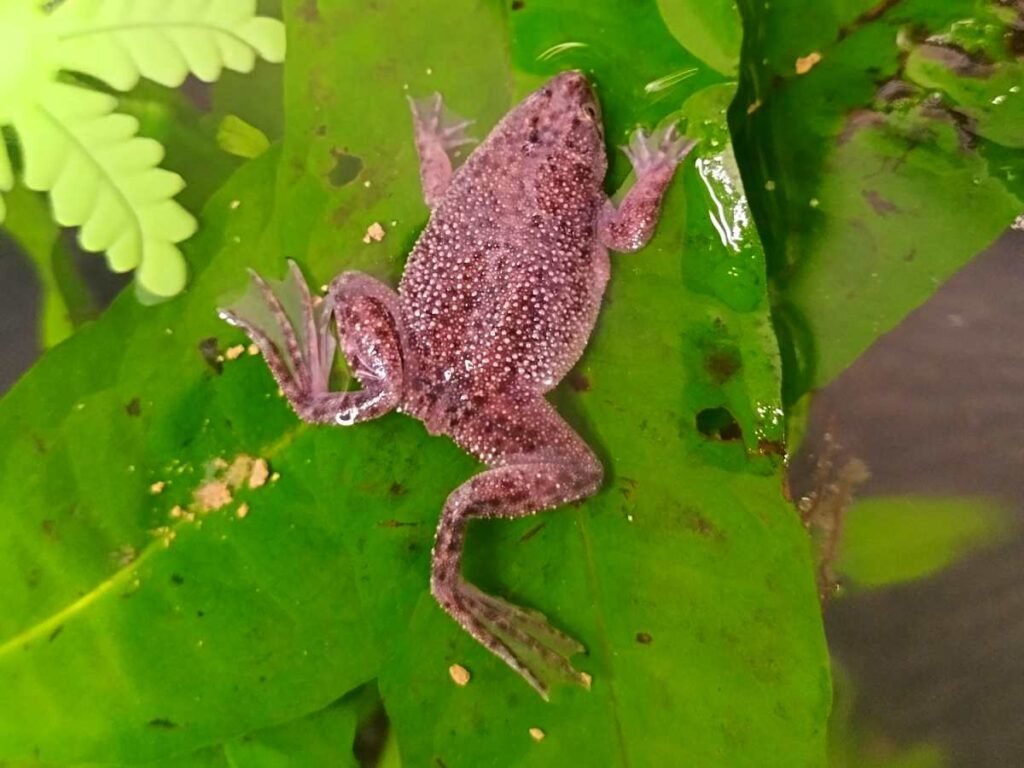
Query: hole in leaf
[718,424]
[346,168]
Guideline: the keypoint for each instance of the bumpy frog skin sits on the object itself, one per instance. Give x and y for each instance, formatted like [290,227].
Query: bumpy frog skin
[499,297]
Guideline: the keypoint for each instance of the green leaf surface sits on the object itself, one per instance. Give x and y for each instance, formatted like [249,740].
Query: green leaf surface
[876,167]
[135,630]
[891,540]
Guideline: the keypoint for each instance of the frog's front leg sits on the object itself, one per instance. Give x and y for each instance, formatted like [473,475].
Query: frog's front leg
[439,136]
[536,462]
[630,226]
[293,332]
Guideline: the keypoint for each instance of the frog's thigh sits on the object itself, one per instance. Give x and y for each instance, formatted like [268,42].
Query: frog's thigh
[440,142]
[370,331]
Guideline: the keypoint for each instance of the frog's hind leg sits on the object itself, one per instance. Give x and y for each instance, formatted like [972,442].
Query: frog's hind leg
[536,462]
[293,331]
[440,138]
[630,226]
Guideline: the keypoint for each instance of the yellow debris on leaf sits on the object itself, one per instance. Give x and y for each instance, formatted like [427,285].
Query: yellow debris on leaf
[374,232]
[806,63]
[459,674]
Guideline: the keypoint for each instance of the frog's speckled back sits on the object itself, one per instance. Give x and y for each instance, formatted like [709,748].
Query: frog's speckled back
[506,280]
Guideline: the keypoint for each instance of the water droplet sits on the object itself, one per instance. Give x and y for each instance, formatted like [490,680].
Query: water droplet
[814,202]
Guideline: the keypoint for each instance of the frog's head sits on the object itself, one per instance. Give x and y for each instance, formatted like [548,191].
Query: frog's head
[562,116]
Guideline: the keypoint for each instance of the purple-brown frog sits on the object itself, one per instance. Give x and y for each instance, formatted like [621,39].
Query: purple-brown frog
[497,302]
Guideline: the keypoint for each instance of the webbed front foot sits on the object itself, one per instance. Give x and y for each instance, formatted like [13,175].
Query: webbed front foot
[440,136]
[293,331]
[664,148]
[654,157]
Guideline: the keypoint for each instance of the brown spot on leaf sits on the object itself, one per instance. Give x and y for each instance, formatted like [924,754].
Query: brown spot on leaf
[873,13]
[643,638]
[703,527]
[957,60]
[531,533]
[879,204]
[134,407]
[210,351]
[162,722]
[722,364]
[56,632]
[309,11]
[397,489]
[518,5]
[177,579]
[578,381]
[771,447]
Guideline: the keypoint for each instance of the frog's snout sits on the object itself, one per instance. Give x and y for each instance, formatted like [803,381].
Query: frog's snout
[575,86]
[575,89]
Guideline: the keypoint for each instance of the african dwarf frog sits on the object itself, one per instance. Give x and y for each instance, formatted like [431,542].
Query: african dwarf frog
[498,299]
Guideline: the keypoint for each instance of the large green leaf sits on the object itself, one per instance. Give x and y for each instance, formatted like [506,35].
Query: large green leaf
[133,631]
[880,145]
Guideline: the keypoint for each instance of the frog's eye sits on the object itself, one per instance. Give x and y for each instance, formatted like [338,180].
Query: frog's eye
[591,111]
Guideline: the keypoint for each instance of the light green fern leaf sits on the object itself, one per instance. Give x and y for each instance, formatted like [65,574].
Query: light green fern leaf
[119,41]
[100,174]
[6,177]
[104,178]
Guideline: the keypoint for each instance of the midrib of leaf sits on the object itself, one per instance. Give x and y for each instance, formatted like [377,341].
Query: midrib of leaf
[100,169]
[582,521]
[51,622]
[156,25]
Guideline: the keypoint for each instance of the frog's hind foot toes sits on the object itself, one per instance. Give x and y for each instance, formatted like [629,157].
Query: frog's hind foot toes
[436,123]
[291,329]
[665,147]
[525,641]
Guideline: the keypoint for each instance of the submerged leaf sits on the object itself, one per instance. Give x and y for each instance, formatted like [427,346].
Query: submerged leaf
[889,540]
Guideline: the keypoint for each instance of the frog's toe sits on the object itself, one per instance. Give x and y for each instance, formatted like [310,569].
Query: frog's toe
[289,328]
[434,121]
[539,652]
[664,147]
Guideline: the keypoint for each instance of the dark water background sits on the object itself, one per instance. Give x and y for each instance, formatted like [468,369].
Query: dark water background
[936,407]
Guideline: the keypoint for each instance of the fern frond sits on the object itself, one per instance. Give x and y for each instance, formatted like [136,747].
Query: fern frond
[119,41]
[104,178]
[6,177]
